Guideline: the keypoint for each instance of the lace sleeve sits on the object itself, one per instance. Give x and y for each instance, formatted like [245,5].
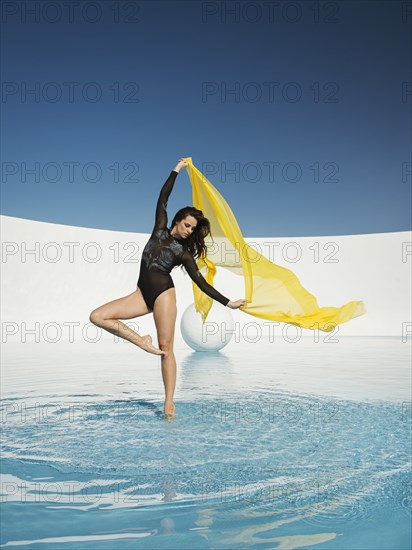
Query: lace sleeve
[161,212]
[197,277]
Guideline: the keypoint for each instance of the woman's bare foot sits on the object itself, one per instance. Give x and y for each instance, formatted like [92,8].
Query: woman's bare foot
[146,345]
[169,410]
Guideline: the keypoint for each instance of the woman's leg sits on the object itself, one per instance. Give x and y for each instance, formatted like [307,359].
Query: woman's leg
[164,314]
[107,316]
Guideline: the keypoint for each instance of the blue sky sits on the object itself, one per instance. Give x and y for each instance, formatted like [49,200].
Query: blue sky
[301,119]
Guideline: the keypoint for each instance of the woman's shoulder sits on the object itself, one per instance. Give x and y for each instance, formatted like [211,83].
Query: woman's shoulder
[186,256]
[161,233]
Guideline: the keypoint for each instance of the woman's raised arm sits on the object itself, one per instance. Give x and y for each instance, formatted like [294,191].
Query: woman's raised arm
[161,207]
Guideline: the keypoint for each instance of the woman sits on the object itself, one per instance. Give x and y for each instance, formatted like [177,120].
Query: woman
[155,292]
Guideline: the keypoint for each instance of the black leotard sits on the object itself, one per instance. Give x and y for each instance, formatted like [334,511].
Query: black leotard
[163,252]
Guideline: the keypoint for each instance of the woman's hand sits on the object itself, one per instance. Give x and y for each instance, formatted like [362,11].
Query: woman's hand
[181,164]
[237,304]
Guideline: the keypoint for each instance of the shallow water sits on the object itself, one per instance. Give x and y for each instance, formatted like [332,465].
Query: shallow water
[276,445]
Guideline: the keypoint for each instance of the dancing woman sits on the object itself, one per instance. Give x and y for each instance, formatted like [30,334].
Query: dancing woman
[155,292]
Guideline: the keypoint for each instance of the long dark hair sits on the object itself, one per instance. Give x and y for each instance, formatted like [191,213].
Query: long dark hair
[195,243]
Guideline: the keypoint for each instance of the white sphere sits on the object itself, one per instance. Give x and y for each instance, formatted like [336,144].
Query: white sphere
[212,335]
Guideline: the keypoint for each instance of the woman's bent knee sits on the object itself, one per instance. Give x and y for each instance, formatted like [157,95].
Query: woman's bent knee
[95,317]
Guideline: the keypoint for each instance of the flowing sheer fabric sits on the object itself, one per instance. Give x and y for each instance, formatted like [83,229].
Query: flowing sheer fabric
[273,292]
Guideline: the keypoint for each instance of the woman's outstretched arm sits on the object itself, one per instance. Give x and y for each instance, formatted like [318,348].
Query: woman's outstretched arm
[161,207]
[197,277]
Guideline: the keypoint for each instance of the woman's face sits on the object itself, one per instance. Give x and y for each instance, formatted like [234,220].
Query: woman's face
[185,227]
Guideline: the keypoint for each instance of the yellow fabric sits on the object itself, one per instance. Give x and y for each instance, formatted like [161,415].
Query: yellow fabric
[273,292]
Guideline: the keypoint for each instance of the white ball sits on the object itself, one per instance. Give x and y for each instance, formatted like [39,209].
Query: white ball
[212,335]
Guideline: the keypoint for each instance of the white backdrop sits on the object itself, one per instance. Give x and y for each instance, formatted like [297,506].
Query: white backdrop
[54,275]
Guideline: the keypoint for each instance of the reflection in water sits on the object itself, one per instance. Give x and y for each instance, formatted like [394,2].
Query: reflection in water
[246,463]
[167,526]
[142,403]
[249,536]
[206,372]
[168,489]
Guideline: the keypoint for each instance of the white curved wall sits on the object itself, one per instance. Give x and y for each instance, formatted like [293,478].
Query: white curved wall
[50,274]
